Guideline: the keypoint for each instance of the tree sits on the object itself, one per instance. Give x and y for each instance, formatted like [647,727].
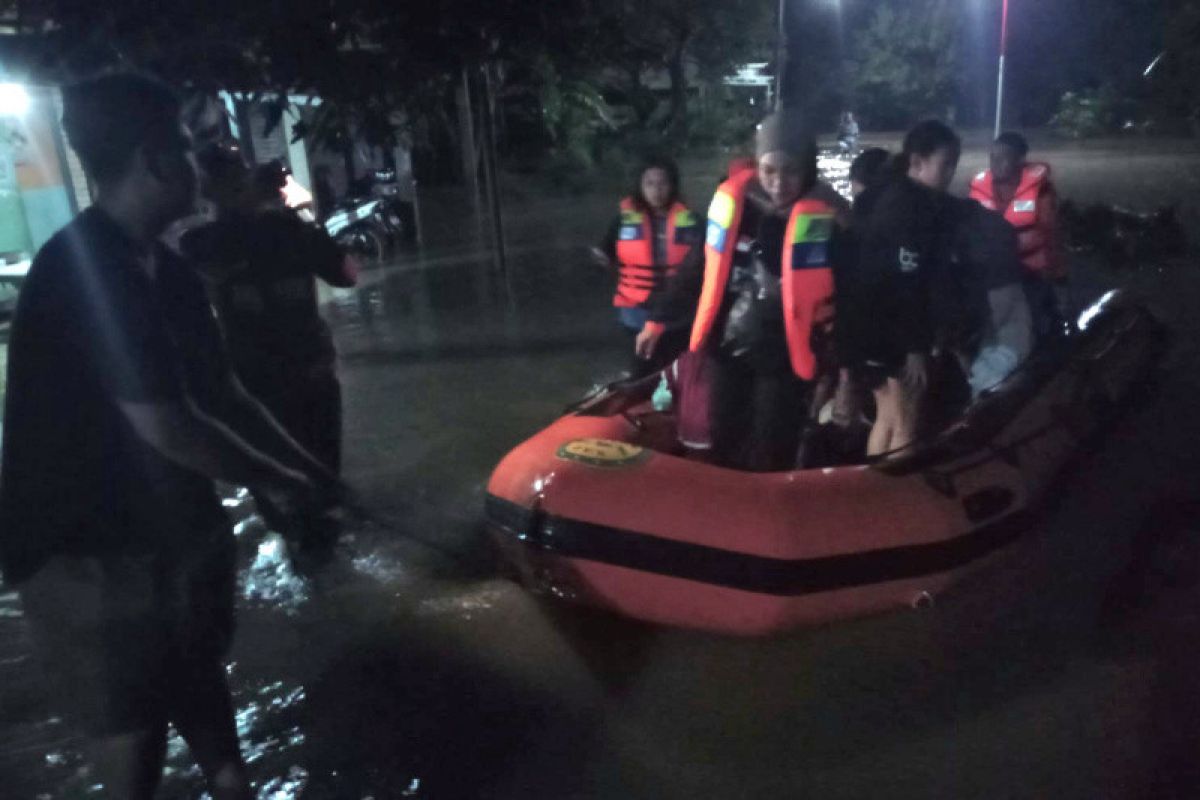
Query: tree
[907,60]
[711,35]
[1177,79]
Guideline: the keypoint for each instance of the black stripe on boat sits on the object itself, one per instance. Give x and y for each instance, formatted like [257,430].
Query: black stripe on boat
[561,536]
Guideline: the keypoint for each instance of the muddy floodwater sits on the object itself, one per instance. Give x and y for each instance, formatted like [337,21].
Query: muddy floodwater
[411,669]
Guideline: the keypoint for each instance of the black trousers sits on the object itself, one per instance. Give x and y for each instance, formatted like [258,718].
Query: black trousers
[758,415]
[309,407]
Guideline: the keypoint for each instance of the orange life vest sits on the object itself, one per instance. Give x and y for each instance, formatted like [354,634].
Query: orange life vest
[807,276]
[638,276]
[1024,212]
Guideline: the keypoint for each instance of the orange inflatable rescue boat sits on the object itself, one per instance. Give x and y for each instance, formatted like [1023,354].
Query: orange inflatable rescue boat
[597,509]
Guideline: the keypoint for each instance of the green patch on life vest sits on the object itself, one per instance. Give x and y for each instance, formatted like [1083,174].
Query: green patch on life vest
[813,228]
[632,218]
[685,219]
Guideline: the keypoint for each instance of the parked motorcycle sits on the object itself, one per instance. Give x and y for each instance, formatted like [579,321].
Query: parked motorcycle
[356,227]
[371,224]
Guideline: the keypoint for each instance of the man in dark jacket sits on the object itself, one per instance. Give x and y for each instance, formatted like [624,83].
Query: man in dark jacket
[262,261]
[996,332]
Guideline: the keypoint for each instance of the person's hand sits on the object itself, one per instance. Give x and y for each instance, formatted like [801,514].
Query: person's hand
[647,340]
[916,371]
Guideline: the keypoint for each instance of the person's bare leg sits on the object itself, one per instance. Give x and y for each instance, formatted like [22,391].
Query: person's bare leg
[909,409]
[130,765]
[879,441]
[203,714]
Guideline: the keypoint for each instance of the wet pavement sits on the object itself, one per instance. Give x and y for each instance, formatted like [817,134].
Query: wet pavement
[411,669]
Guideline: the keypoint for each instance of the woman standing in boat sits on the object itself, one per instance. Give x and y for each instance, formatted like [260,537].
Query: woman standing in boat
[647,241]
[892,299]
[761,292]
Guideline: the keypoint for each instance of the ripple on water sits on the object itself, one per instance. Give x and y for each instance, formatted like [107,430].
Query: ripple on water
[271,579]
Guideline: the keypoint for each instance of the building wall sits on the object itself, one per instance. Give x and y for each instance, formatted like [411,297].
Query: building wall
[37,185]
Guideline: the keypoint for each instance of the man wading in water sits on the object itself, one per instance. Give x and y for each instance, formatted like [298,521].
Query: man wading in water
[111,529]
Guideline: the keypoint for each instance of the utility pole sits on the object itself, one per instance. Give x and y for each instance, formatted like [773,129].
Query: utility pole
[781,55]
[491,169]
[1000,78]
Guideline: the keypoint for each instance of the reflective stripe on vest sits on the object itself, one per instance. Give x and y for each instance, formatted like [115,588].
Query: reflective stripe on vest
[1022,212]
[637,275]
[807,279]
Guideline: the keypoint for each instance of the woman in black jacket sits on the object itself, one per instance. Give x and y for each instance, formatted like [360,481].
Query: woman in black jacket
[890,299]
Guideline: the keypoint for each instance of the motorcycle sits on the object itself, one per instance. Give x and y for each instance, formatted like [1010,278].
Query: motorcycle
[355,226]
[370,225]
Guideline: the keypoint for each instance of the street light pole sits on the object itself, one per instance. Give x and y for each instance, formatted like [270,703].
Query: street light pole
[1000,78]
[781,55]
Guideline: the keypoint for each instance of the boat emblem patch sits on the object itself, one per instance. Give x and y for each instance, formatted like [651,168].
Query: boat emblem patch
[603,453]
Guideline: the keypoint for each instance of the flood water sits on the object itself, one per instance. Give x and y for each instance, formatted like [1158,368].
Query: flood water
[411,669]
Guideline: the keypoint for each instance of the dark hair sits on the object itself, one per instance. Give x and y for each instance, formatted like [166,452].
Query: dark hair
[107,119]
[667,165]
[1015,141]
[927,137]
[870,167]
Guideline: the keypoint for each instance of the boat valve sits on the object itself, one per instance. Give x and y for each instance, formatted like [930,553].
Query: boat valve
[923,601]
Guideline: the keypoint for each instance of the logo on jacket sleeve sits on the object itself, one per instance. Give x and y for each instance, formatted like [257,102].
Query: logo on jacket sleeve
[909,260]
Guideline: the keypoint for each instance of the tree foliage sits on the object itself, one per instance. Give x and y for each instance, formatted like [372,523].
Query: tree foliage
[1177,79]
[369,60]
[907,61]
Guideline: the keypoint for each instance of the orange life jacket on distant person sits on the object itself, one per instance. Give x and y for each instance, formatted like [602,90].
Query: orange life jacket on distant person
[638,276]
[1026,213]
[807,276]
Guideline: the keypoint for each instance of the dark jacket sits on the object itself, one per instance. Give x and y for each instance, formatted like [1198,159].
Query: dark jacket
[984,258]
[893,294]
[263,266]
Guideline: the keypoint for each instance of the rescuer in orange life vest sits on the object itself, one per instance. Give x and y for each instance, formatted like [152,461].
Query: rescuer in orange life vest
[1024,194]
[651,236]
[760,291]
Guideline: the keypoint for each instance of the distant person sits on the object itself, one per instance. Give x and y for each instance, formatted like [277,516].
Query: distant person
[848,132]
[110,526]
[263,262]
[888,301]
[762,295]
[1023,192]
[652,235]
